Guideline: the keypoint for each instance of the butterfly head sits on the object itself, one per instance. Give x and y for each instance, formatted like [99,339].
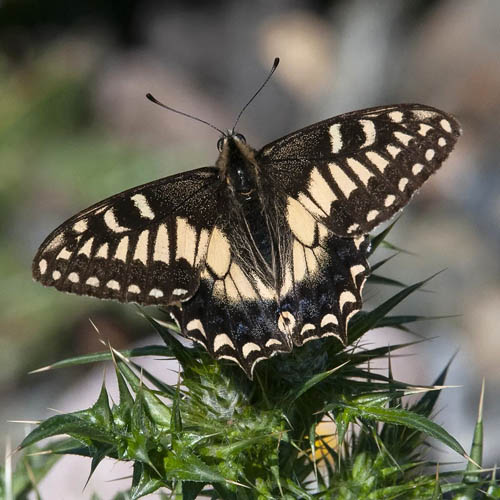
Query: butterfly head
[236,163]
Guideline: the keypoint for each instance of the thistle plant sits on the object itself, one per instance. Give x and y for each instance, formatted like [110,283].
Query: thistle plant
[316,423]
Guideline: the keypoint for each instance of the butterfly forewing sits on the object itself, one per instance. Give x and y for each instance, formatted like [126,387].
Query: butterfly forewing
[356,170]
[145,245]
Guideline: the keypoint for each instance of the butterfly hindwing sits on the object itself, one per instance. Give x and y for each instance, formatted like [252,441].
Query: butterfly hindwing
[244,314]
[145,245]
[356,170]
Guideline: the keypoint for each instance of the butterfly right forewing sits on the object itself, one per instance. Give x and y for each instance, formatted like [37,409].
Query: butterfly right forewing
[145,245]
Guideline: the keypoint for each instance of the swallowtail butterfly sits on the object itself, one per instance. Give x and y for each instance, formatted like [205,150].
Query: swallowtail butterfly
[267,249]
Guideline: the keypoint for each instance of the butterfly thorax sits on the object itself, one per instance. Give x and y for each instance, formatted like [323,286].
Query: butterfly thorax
[243,179]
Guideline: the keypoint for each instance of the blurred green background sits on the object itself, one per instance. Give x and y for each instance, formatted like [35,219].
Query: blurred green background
[75,128]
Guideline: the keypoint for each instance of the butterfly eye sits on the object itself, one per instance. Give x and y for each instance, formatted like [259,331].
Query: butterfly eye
[240,138]
[220,143]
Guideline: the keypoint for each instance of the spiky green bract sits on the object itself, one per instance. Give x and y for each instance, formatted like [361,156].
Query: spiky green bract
[314,424]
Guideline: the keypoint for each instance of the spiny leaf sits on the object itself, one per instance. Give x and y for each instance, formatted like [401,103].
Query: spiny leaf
[408,419]
[382,280]
[80,424]
[153,350]
[314,380]
[158,410]
[376,240]
[476,454]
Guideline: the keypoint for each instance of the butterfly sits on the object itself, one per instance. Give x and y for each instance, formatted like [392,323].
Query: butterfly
[267,249]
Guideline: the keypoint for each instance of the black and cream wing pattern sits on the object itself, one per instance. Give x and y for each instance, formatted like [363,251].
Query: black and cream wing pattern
[145,245]
[267,249]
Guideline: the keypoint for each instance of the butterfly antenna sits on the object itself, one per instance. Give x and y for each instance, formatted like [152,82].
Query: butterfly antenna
[275,65]
[156,101]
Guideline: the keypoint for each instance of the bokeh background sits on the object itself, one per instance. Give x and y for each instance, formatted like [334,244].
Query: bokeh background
[75,128]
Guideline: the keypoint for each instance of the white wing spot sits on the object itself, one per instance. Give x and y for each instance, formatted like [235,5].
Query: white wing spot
[377,160]
[396,116]
[222,340]
[186,241]
[133,289]
[219,253]
[92,281]
[265,291]
[156,293]
[74,278]
[417,168]
[389,200]
[402,183]
[369,131]
[64,254]
[271,342]
[80,226]
[403,138]
[87,247]
[235,360]
[423,129]
[103,251]
[286,322]
[121,249]
[201,251]
[329,319]
[161,250]
[442,142]
[350,315]
[358,241]
[142,205]
[333,334]
[299,261]
[112,223]
[248,348]
[42,265]
[320,191]
[422,114]
[445,124]
[352,228]
[356,270]
[344,182]
[141,248]
[56,275]
[179,291]
[241,282]
[335,138]
[360,170]
[429,154]
[196,324]
[346,297]
[301,222]
[393,150]
[113,285]
[306,328]
[372,214]
[55,243]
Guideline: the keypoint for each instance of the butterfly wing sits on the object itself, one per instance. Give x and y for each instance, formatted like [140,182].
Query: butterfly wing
[145,245]
[339,179]
[356,170]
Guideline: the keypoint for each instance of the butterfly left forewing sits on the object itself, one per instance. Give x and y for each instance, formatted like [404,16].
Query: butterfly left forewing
[356,170]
